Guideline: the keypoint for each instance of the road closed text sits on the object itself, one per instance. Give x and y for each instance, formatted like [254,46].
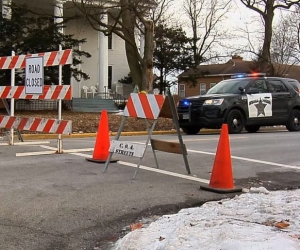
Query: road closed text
[34,82]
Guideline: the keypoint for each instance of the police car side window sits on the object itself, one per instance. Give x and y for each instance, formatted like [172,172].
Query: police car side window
[295,85]
[259,85]
[276,86]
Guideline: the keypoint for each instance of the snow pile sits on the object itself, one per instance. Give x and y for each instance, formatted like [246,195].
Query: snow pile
[256,220]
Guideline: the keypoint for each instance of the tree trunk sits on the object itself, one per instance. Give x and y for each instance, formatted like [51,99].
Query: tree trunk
[266,66]
[141,68]
[134,66]
[147,68]
[130,45]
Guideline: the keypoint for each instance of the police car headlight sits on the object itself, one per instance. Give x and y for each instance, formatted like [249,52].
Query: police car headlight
[213,102]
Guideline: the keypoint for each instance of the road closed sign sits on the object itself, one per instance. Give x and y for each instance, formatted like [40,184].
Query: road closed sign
[34,75]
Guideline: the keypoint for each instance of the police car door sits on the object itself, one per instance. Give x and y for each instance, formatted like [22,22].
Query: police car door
[280,98]
[259,101]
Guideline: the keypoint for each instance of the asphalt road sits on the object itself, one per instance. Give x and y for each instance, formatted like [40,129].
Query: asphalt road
[62,201]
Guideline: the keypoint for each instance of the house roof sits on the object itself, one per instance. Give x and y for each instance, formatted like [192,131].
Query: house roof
[289,71]
[237,65]
[229,68]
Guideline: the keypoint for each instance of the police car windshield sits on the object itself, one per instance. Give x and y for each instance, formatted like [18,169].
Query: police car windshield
[229,86]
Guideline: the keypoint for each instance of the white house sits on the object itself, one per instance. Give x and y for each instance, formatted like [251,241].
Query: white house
[108,63]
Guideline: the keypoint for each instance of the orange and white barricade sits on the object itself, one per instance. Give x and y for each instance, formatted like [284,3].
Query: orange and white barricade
[148,107]
[36,124]
[52,58]
[55,92]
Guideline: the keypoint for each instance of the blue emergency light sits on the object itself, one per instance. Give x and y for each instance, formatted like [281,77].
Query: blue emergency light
[248,75]
[186,103]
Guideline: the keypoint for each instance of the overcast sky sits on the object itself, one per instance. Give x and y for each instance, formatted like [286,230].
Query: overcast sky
[237,19]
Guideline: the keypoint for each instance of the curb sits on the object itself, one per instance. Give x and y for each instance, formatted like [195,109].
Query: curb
[87,135]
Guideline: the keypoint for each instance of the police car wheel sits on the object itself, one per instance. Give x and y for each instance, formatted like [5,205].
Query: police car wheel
[235,121]
[252,128]
[293,123]
[191,130]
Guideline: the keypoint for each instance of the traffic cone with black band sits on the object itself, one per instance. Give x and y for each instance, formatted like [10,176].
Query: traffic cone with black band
[221,180]
[102,143]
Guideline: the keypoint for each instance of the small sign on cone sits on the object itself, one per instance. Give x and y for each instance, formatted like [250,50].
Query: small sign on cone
[221,180]
[102,143]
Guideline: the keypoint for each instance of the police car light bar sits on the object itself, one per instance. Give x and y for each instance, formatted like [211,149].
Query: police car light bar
[248,75]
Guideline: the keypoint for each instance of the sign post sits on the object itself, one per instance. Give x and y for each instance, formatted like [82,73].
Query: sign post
[12,102]
[59,140]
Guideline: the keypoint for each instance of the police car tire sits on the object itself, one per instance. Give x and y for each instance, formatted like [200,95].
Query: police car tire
[252,128]
[235,113]
[290,125]
[191,130]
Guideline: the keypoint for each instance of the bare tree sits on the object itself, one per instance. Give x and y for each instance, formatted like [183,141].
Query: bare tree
[126,17]
[294,24]
[205,18]
[284,42]
[266,9]
[285,47]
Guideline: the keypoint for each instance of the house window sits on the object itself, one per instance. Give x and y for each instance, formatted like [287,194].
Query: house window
[110,71]
[181,90]
[110,41]
[212,84]
[202,88]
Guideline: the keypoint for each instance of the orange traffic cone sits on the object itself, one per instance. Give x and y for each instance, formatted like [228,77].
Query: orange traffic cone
[102,144]
[221,180]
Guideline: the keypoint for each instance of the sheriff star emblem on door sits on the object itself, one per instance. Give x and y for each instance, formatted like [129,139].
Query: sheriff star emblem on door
[259,105]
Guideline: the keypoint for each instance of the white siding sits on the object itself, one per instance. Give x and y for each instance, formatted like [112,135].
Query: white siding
[90,65]
[117,58]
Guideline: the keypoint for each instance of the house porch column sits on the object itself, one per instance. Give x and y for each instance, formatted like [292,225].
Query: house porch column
[6,10]
[103,58]
[58,12]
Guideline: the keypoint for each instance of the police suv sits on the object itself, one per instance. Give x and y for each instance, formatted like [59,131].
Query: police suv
[243,102]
